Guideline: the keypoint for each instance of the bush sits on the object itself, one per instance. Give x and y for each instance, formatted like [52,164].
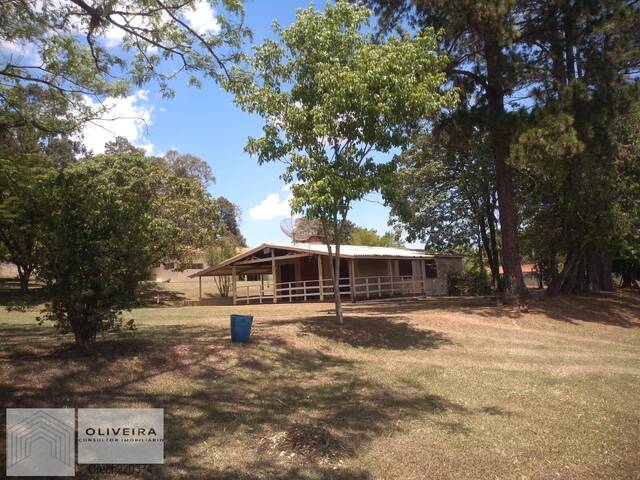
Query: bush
[471,282]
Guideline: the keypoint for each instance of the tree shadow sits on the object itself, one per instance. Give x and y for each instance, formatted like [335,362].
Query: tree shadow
[374,332]
[620,308]
[13,299]
[151,294]
[216,393]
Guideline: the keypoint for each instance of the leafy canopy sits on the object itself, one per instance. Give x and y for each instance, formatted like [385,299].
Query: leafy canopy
[111,217]
[331,95]
[74,49]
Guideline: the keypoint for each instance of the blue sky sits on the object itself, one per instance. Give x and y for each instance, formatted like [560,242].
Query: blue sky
[207,124]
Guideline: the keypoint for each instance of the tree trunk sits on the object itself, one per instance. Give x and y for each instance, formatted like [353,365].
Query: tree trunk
[85,335]
[24,274]
[540,277]
[587,269]
[500,140]
[494,262]
[334,264]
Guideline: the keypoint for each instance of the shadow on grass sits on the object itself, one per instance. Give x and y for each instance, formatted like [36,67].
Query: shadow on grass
[150,294]
[13,299]
[374,332]
[620,308]
[222,396]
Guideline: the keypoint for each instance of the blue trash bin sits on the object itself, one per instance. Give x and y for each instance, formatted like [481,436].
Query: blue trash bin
[241,328]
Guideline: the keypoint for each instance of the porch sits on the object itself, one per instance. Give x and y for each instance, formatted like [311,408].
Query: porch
[301,273]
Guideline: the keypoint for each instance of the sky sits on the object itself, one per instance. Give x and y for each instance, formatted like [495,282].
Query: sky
[206,123]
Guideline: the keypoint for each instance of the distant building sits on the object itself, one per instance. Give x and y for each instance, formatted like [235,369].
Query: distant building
[8,270]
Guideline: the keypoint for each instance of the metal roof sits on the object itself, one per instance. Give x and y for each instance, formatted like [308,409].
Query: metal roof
[356,251]
[346,251]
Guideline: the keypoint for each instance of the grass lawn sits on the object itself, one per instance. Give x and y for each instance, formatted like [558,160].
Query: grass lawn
[413,389]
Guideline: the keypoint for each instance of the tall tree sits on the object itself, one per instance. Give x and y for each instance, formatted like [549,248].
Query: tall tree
[445,193]
[188,165]
[109,219]
[231,217]
[480,39]
[23,209]
[584,59]
[331,95]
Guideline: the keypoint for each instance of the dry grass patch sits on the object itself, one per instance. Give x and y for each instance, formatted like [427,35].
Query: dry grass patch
[437,388]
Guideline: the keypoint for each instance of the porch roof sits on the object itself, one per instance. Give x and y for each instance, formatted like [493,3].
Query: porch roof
[263,265]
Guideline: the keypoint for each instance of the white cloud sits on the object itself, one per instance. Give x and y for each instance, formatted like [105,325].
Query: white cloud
[271,207]
[18,52]
[201,18]
[127,117]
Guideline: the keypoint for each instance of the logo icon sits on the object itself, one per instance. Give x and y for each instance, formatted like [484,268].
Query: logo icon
[40,442]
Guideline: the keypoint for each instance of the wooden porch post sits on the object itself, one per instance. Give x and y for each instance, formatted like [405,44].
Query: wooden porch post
[424,276]
[200,287]
[390,268]
[352,283]
[273,276]
[233,282]
[320,286]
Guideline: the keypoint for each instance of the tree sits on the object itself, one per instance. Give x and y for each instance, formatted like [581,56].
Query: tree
[226,247]
[23,209]
[584,58]
[187,165]
[369,237]
[110,218]
[310,229]
[66,48]
[331,95]
[445,190]
[480,38]
[231,217]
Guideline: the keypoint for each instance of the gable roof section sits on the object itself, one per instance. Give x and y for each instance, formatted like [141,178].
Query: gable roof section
[346,251]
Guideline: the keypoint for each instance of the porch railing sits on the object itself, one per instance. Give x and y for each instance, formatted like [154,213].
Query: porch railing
[363,288]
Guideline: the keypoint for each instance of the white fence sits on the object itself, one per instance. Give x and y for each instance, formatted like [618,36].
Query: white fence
[363,288]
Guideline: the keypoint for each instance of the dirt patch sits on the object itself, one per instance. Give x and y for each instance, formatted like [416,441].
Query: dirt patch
[306,442]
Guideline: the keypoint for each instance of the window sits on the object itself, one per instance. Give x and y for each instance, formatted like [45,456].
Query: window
[195,266]
[405,268]
[431,268]
[169,266]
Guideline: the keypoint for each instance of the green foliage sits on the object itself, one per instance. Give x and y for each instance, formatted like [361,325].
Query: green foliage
[368,236]
[109,219]
[473,281]
[331,95]
[445,193]
[26,160]
[306,229]
[224,248]
[551,85]
[230,213]
[61,47]
[98,243]
[187,165]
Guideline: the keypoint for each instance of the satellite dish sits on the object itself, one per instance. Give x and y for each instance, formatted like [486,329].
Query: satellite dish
[297,229]
[287,226]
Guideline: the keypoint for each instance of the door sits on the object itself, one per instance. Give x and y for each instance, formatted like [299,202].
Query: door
[287,274]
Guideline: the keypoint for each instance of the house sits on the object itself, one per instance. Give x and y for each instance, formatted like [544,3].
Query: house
[302,272]
[170,271]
